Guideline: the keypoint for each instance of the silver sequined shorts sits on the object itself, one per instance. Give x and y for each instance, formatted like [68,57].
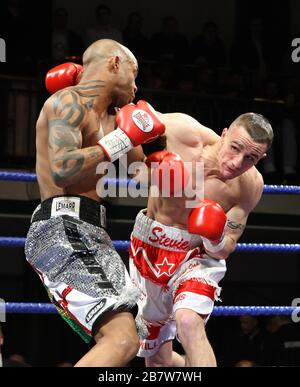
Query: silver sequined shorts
[83,274]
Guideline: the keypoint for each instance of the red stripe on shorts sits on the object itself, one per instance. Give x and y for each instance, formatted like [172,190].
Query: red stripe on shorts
[66,291]
[153,332]
[197,287]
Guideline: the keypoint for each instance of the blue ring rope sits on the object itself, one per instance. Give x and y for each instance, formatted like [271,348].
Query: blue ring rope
[31,177]
[123,245]
[48,308]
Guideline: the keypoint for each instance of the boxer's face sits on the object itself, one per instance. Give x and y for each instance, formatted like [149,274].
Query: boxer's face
[238,152]
[126,87]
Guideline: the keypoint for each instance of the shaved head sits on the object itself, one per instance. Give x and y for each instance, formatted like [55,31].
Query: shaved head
[112,68]
[106,48]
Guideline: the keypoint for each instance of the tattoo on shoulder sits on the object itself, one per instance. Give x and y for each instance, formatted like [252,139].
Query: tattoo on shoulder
[65,134]
[234,225]
[67,104]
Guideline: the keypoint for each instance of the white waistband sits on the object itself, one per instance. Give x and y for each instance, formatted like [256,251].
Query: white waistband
[166,237]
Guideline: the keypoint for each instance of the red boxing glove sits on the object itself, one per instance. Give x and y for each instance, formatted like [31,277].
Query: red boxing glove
[64,75]
[137,124]
[168,172]
[208,219]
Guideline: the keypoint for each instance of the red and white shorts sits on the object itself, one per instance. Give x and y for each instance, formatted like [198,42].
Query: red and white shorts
[170,268]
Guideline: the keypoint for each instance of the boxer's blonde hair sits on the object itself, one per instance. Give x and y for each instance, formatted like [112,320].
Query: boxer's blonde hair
[258,127]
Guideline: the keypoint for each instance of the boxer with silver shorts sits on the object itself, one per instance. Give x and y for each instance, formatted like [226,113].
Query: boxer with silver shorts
[67,244]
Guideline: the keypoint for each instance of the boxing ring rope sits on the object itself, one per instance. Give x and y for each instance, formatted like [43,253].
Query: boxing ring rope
[31,177]
[48,308]
[241,247]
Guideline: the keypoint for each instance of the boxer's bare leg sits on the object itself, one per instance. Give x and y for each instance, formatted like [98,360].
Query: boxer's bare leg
[165,357]
[117,343]
[191,333]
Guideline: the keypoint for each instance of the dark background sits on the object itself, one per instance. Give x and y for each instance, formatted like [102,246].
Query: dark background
[226,89]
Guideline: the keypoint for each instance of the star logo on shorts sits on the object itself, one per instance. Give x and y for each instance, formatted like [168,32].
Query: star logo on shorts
[164,268]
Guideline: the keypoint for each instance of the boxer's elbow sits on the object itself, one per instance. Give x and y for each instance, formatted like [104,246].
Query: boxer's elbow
[226,251]
[219,255]
[229,249]
[225,254]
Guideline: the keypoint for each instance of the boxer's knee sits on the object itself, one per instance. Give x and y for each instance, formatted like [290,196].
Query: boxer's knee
[121,332]
[128,344]
[124,343]
[190,325]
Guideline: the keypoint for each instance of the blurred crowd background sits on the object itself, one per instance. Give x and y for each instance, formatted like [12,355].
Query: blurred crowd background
[213,61]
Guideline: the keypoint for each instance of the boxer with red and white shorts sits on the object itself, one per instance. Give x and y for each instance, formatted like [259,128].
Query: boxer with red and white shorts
[177,252]
[172,271]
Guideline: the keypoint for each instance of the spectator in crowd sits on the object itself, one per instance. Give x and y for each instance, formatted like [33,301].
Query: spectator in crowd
[249,53]
[245,363]
[17,33]
[64,364]
[208,48]
[169,43]
[134,38]
[104,29]
[14,360]
[280,107]
[247,344]
[64,42]
[282,344]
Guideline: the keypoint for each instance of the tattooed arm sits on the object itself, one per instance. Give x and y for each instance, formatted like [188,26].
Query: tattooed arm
[66,118]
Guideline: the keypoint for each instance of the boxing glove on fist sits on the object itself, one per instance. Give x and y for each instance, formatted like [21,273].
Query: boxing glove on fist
[137,124]
[208,219]
[64,75]
[168,172]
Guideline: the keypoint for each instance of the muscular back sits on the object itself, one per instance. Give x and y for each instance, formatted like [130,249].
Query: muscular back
[194,142]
